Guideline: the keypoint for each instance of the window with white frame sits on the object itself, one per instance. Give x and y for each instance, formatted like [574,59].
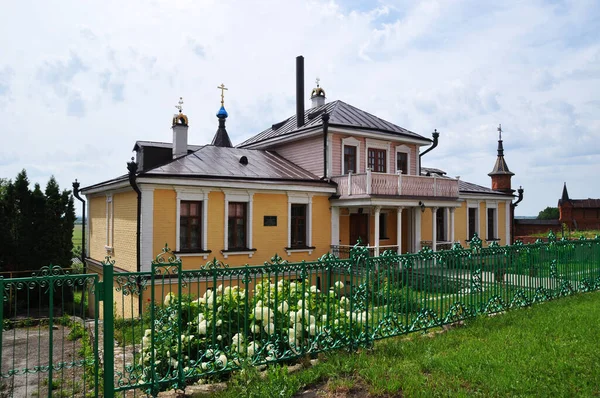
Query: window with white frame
[377,155]
[350,155]
[299,223]
[492,221]
[472,220]
[238,224]
[403,159]
[192,221]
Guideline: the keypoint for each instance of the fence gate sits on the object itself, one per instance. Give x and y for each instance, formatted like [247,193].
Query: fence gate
[46,337]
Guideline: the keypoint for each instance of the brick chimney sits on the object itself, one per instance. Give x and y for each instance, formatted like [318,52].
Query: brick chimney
[180,132]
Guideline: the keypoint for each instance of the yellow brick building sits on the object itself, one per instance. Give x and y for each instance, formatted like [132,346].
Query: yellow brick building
[316,182]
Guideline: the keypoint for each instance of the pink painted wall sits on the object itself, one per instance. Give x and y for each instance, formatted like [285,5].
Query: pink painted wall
[307,153]
[337,155]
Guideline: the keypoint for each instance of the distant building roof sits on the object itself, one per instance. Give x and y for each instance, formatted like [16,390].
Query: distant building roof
[585,203]
[341,115]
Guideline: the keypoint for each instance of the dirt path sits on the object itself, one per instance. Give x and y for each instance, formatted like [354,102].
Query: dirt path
[26,354]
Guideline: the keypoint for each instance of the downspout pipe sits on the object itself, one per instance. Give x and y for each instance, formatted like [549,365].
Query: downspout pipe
[132,168]
[76,194]
[436,137]
[325,118]
[299,91]
[512,211]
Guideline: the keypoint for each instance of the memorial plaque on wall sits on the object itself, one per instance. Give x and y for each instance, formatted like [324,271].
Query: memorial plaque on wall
[270,221]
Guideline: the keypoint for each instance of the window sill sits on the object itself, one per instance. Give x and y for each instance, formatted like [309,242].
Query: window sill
[299,249]
[235,252]
[203,253]
[492,239]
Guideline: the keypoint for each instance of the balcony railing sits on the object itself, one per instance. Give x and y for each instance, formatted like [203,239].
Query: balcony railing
[371,183]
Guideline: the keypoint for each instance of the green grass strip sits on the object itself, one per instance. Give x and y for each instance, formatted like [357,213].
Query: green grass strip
[550,349]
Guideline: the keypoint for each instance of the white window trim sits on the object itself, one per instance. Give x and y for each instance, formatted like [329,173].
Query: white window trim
[476,205]
[245,197]
[198,195]
[110,223]
[404,149]
[377,144]
[492,205]
[508,225]
[351,141]
[300,199]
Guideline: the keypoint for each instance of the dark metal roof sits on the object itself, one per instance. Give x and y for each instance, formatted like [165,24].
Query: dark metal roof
[585,203]
[223,162]
[221,138]
[107,182]
[141,144]
[469,187]
[341,115]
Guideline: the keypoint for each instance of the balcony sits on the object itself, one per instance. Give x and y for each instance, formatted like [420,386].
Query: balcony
[371,183]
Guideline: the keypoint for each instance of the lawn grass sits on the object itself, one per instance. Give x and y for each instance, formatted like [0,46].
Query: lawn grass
[590,234]
[550,349]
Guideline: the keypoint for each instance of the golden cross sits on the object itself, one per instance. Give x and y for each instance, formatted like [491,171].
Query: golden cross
[222,88]
[180,106]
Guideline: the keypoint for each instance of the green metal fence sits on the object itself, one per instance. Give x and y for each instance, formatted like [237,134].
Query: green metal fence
[170,326]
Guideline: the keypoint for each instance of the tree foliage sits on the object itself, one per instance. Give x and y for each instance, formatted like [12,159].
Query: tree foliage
[37,225]
[549,213]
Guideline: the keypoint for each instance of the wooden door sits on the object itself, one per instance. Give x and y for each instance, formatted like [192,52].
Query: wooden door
[359,228]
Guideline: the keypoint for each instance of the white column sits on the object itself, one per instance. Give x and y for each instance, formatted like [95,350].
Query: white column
[147,228]
[368,181]
[451,236]
[417,211]
[335,226]
[399,229]
[433,228]
[377,213]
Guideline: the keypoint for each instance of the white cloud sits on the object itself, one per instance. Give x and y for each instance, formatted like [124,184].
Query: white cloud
[93,78]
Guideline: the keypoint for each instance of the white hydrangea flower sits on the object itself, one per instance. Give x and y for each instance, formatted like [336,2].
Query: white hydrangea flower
[222,360]
[339,285]
[200,317]
[169,299]
[283,307]
[220,288]
[280,283]
[255,328]
[262,313]
[237,340]
[324,318]
[312,320]
[269,328]
[202,326]
[147,333]
[219,322]
[314,289]
[313,330]
[227,291]
[252,348]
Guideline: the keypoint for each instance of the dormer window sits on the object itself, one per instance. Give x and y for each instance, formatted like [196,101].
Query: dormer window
[349,159]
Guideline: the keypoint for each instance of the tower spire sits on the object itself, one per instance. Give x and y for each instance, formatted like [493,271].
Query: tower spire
[501,174]
[221,138]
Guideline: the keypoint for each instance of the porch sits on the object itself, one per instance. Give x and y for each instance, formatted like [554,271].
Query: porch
[401,228]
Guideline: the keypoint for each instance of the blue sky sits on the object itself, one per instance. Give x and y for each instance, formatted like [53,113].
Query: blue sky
[80,82]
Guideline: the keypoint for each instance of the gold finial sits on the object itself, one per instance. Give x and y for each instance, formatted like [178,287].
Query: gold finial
[500,132]
[222,88]
[180,104]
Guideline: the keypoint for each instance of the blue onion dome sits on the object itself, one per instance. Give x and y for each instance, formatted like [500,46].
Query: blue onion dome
[222,114]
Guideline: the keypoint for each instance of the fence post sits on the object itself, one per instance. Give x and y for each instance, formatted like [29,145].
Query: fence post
[109,330]
[50,331]
[1,314]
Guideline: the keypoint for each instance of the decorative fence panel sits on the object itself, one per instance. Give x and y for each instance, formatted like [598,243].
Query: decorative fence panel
[46,348]
[172,326]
